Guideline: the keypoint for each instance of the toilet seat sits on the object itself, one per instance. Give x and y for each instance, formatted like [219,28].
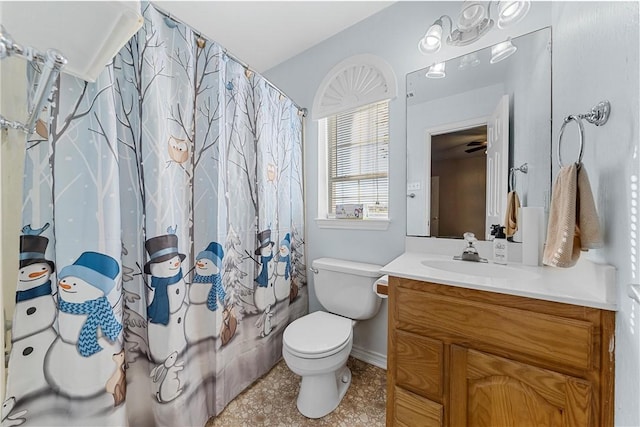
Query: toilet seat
[318,335]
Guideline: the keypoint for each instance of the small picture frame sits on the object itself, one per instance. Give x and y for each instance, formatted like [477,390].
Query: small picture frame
[349,211]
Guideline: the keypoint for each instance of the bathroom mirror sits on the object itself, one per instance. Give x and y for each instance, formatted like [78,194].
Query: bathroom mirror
[465,131]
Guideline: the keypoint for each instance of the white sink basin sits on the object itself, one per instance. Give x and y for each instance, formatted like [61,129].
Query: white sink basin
[587,284]
[468,268]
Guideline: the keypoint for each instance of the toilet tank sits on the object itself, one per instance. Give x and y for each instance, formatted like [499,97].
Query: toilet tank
[346,287]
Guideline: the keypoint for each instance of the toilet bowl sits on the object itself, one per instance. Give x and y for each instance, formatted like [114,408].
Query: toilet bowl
[317,346]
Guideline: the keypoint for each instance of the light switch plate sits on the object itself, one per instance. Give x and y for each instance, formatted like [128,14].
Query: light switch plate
[413,186]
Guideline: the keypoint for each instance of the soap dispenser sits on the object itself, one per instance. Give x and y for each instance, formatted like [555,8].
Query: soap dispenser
[494,230]
[500,246]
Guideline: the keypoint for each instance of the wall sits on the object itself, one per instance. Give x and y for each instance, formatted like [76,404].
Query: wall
[13,87]
[2,340]
[393,35]
[12,106]
[595,57]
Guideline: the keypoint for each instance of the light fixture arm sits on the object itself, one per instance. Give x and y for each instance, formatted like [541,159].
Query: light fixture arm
[450,23]
[489,7]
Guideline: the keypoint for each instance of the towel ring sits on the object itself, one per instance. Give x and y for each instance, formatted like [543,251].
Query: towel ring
[598,116]
[581,135]
[524,168]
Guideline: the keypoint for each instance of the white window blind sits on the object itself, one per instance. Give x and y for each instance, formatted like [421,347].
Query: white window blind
[358,148]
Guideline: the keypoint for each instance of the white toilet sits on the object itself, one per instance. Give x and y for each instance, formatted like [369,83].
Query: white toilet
[317,346]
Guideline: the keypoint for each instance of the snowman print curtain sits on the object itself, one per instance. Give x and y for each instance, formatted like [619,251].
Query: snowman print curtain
[162,253]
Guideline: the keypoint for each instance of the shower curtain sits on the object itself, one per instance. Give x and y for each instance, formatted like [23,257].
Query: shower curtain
[162,252]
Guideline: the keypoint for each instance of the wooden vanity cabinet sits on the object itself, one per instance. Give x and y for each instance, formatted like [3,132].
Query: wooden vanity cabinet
[462,357]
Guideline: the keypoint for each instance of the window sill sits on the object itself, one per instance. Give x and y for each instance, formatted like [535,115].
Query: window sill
[354,224]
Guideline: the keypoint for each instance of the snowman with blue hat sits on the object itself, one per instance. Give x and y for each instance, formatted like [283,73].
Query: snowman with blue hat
[89,332]
[206,296]
[282,285]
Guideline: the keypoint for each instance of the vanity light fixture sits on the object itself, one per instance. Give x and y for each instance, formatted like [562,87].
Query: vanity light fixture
[474,21]
[502,51]
[436,71]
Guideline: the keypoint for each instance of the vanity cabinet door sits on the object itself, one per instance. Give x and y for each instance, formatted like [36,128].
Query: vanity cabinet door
[419,365]
[488,390]
[412,410]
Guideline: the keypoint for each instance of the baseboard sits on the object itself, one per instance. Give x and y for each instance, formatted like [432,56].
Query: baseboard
[371,357]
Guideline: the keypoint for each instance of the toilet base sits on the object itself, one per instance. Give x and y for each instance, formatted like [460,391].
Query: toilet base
[320,394]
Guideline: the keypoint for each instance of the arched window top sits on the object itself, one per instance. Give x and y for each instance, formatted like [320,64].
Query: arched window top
[354,82]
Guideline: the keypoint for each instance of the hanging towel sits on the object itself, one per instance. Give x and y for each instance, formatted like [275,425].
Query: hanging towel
[511,215]
[588,227]
[573,220]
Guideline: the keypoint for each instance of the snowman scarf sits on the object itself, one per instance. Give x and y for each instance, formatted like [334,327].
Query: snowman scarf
[287,268]
[263,277]
[100,315]
[158,310]
[216,289]
[38,291]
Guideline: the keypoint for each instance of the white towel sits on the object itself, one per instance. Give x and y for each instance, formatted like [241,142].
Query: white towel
[573,220]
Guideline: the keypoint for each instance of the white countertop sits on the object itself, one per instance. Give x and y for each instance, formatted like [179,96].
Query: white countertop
[587,284]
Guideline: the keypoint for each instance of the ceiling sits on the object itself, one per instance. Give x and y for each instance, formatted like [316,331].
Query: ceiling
[460,144]
[264,34]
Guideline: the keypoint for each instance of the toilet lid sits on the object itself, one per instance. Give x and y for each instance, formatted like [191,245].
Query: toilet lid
[318,332]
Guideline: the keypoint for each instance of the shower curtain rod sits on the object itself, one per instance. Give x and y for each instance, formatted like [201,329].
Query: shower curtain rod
[52,62]
[302,110]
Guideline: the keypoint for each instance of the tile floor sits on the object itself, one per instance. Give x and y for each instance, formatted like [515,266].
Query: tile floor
[271,401]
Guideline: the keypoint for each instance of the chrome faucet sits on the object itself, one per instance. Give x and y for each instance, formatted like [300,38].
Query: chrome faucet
[470,253]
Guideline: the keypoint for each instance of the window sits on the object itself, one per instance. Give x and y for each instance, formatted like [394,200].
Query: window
[352,109]
[357,157]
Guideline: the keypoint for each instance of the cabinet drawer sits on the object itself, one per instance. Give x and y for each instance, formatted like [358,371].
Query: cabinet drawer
[419,364]
[547,337]
[412,410]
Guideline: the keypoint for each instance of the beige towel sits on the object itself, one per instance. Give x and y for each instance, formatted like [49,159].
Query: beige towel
[511,215]
[573,220]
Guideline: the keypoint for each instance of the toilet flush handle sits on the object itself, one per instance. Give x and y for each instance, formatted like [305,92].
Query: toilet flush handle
[313,270]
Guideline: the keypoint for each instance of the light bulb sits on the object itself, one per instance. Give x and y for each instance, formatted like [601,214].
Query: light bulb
[436,71]
[469,60]
[502,51]
[512,12]
[471,15]
[432,40]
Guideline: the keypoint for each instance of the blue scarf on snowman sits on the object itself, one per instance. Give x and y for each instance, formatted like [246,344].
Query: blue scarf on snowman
[263,277]
[100,315]
[217,290]
[158,310]
[38,291]
[287,268]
